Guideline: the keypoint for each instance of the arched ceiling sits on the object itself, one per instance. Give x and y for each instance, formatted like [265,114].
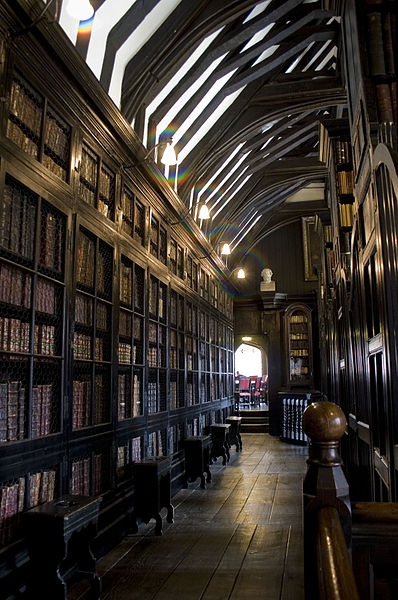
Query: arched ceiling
[239,85]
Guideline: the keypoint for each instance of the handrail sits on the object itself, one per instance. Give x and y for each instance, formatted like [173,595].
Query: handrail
[336,579]
[327,509]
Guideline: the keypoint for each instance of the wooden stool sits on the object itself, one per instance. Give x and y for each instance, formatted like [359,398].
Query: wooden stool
[197,459]
[58,530]
[220,443]
[234,432]
[152,491]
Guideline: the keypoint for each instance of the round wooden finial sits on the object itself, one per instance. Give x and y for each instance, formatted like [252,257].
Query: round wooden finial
[324,422]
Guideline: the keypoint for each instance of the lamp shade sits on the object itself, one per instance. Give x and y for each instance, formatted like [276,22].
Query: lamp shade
[80,9]
[225,249]
[169,157]
[241,274]
[204,212]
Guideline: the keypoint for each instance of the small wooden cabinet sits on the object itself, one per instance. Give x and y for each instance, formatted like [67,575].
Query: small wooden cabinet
[298,339]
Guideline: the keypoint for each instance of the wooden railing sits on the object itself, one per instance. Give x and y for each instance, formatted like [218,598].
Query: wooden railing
[327,510]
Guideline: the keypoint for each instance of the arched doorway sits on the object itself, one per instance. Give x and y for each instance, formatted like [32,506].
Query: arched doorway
[248,360]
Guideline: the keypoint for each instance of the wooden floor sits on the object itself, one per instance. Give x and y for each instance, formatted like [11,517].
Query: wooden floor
[239,539]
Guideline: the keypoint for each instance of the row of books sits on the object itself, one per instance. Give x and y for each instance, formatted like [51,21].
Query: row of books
[57,136]
[127,205]
[107,184]
[105,207]
[125,353]
[386,97]
[84,309]
[45,340]
[85,261]
[129,406]
[82,346]
[346,215]
[15,286]
[89,166]
[126,283]
[298,318]
[52,240]
[152,356]
[25,140]
[12,411]
[382,40]
[14,335]
[80,481]
[128,453]
[87,194]
[17,221]
[152,397]
[345,180]
[42,410]
[12,501]
[55,164]
[26,105]
[101,401]
[157,445]
[81,408]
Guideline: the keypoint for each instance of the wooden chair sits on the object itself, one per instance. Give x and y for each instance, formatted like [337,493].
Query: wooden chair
[256,394]
[244,391]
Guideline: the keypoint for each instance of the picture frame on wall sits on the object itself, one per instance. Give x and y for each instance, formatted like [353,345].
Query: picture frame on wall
[311,248]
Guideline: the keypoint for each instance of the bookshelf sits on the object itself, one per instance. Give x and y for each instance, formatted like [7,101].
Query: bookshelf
[177,351]
[92,342]
[97,182]
[299,345]
[131,340]
[382,51]
[157,345]
[105,348]
[37,128]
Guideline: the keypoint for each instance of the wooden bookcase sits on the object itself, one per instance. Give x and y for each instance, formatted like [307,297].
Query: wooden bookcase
[298,328]
[114,344]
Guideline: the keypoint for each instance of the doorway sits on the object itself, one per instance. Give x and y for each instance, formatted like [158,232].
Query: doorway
[248,361]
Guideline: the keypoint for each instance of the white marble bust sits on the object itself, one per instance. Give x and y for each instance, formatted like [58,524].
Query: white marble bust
[266,284]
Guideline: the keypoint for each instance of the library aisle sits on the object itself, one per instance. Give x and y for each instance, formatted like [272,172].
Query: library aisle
[239,539]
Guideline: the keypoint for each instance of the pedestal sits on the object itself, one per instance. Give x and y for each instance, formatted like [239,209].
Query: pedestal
[220,442]
[197,459]
[59,533]
[152,491]
[234,432]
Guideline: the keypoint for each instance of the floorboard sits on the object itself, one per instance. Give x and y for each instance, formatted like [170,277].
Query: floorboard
[239,539]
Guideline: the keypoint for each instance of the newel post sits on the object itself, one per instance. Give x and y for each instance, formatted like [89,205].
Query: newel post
[324,484]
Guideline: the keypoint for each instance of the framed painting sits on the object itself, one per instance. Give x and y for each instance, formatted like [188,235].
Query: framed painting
[311,248]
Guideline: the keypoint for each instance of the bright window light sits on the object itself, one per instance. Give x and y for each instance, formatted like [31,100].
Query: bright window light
[222,107]
[134,43]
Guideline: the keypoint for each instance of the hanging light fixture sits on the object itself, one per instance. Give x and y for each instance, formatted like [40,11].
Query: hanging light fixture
[241,274]
[226,249]
[169,156]
[80,9]
[204,212]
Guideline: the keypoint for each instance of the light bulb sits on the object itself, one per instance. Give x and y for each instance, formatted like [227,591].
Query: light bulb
[169,156]
[241,274]
[225,249]
[204,212]
[80,9]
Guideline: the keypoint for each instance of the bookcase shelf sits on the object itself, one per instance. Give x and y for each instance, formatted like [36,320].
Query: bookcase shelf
[114,345]
[299,345]
[382,57]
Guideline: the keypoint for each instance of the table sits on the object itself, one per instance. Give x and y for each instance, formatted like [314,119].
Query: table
[234,436]
[197,459]
[220,443]
[58,531]
[152,491]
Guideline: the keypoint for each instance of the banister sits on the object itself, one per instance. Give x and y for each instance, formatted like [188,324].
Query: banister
[327,508]
[335,576]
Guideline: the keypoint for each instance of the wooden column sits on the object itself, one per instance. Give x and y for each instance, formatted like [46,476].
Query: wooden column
[325,484]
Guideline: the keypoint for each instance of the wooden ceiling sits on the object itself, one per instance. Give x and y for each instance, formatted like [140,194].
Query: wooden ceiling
[239,85]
